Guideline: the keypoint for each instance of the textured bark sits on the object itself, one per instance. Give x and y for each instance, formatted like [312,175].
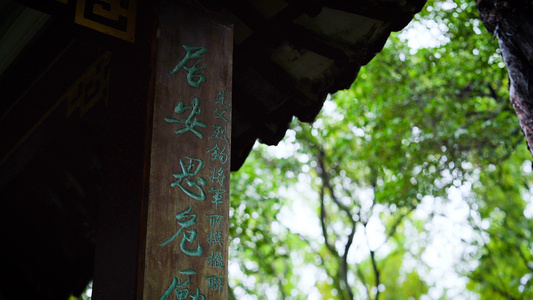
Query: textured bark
[512,24]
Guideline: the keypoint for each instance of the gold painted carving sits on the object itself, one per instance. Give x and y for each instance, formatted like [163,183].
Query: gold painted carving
[91,88]
[112,17]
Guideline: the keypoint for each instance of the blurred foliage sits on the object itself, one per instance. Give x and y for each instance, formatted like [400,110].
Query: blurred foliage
[425,136]
[85,295]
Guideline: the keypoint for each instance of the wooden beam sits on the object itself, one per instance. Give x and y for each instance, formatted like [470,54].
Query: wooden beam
[186,242]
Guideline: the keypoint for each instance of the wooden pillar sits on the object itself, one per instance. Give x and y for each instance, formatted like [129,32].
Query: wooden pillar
[186,239]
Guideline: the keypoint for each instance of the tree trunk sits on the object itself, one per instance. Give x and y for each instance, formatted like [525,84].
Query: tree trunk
[512,24]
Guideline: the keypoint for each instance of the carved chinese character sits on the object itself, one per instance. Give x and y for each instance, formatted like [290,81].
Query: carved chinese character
[220,114]
[220,99]
[215,283]
[217,153]
[214,238]
[220,132]
[198,296]
[216,260]
[180,289]
[215,220]
[217,198]
[191,122]
[218,176]
[188,172]
[192,53]
[186,220]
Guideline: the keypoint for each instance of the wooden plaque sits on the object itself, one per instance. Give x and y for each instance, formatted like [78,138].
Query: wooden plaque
[186,254]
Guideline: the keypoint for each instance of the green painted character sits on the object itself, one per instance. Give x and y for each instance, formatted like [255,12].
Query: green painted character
[198,295]
[191,122]
[188,172]
[192,53]
[180,289]
[217,153]
[218,176]
[220,114]
[215,283]
[217,197]
[215,220]
[186,220]
[214,238]
[220,99]
[220,132]
[215,260]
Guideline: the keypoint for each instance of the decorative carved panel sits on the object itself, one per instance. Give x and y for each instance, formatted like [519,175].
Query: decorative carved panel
[112,17]
[90,88]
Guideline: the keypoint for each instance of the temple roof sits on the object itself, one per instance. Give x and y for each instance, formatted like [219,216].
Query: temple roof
[290,54]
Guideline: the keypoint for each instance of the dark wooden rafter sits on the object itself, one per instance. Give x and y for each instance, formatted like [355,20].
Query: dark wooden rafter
[16,129]
[52,7]
[49,44]
[279,42]
[399,14]
[261,43]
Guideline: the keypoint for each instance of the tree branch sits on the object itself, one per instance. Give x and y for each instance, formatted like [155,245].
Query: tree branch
[363,280]
[374,265]
[376,272]
[397,223]
[322,172]
[330,247]
[493,286]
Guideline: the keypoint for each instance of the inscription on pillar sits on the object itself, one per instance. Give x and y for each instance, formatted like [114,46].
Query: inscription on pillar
[188,208]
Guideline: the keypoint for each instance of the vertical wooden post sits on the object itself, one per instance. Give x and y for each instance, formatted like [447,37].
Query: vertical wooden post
[186,252]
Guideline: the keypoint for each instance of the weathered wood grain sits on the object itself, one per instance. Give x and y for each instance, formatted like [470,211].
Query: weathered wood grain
[187,219]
